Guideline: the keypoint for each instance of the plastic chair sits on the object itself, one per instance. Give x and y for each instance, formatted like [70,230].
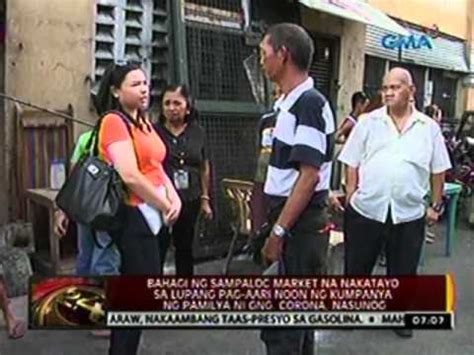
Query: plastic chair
[452,192]
[238,193]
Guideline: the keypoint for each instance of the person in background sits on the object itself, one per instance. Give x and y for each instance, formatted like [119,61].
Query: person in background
[96,254]
[258,204]
[127,140]
[392,156]
[16,327]
[359,102]
[187,165]
[434,112]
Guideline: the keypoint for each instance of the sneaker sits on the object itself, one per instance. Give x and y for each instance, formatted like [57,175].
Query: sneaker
[404,333]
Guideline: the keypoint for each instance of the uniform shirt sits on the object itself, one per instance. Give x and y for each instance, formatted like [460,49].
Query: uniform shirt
[186,152]
[303,134]
[149,149]
[394,168]
[265,141]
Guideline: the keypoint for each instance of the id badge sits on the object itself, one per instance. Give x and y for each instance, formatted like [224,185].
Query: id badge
[181,179]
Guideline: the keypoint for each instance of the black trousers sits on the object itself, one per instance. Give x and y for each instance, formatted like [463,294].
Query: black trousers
[182,234]
[304,254]
[365,238]
[140,255]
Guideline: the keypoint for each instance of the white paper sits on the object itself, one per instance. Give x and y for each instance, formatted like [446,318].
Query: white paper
[152,217]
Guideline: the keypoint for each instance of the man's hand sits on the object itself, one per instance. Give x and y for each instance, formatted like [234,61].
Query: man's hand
[273,248]
[60,223]
[349,194]
[431,216]
[334,203]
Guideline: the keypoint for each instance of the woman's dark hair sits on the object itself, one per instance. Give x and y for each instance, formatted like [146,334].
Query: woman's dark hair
[105,101]
[430,111]
[193,114]
[358,97]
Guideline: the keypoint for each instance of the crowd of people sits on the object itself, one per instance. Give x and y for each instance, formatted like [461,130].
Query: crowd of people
[394,157]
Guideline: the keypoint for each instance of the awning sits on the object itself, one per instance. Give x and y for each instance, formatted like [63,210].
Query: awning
[356,10]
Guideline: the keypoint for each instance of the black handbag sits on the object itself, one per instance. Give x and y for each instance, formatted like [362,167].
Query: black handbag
[93,194]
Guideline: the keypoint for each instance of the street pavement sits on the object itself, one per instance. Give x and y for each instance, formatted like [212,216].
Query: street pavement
[246,342]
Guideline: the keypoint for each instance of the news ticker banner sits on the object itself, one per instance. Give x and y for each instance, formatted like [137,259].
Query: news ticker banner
[421,302]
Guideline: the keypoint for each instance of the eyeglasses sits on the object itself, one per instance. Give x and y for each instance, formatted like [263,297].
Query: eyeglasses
[125,62]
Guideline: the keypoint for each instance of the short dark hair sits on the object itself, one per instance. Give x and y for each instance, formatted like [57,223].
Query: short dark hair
[296,40]
[358,97]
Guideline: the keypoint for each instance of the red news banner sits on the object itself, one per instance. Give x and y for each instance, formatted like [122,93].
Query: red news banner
[252,302]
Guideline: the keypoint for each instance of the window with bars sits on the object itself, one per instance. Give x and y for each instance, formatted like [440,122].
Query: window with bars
[216,50]
[133,30]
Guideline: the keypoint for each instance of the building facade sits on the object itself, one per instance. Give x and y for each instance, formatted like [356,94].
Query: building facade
[55,52]
[437,51]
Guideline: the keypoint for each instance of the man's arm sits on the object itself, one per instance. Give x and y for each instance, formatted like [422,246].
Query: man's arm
[300,196]
[437,184]
[352,182]
[295,204]
[438,166]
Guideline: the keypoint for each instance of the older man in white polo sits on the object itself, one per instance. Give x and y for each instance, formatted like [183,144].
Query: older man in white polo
[392,157]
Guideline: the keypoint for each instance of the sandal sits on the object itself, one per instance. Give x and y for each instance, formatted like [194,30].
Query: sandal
[17,330]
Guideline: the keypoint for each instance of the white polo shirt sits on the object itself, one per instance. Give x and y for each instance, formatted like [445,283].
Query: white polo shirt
[394,168]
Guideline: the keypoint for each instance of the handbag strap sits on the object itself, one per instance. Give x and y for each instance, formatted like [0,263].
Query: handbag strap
[92,145]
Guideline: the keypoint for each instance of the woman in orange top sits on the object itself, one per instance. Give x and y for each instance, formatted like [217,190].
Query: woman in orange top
[136,151]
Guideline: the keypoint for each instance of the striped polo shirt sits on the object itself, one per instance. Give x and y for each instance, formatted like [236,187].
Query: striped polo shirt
[303,134]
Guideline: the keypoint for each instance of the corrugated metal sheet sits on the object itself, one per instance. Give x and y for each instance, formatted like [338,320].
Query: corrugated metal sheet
[446,53]
[373,44]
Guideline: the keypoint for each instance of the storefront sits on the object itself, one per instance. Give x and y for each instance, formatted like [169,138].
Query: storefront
[436,61]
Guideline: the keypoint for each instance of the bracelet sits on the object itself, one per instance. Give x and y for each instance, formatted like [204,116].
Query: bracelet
[205,197]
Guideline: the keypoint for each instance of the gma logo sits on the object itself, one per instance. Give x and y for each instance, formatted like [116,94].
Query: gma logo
[406,42]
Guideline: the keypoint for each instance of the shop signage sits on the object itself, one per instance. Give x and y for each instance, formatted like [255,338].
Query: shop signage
[406,42]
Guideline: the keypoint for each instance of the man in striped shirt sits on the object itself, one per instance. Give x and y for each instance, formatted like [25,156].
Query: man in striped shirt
[298,176]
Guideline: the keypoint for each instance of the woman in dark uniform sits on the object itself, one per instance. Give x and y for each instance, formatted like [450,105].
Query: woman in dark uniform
[187,165]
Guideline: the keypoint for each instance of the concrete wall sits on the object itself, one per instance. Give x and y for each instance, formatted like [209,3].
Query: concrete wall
[351,53]
[48,57]
[449,15]
[49,52]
